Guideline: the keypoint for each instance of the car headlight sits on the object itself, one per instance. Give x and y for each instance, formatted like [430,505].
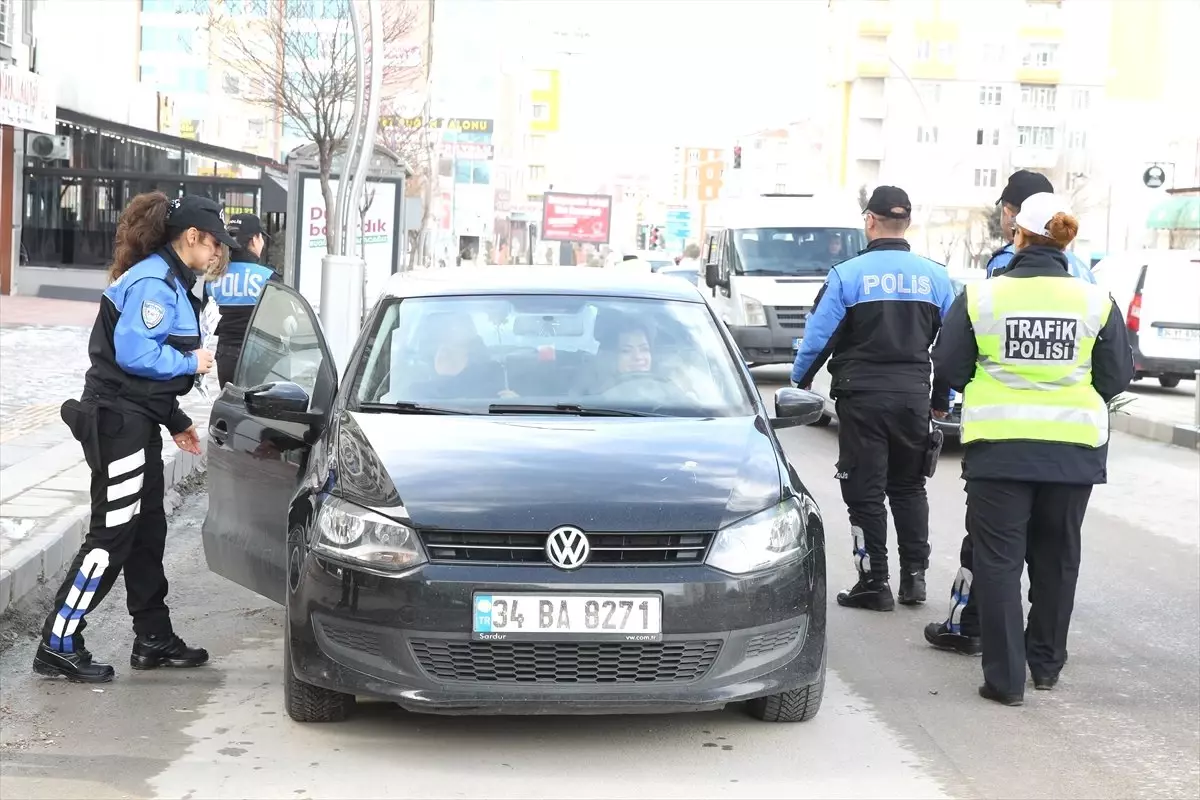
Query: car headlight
[762,540]
[351,533]
[753,311]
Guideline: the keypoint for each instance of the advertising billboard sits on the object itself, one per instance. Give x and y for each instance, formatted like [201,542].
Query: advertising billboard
[376,236]
[583,218]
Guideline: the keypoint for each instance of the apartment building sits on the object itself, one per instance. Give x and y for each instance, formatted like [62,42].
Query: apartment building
[948,98]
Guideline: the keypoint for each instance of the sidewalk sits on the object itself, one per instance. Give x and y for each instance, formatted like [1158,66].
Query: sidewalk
[44,483]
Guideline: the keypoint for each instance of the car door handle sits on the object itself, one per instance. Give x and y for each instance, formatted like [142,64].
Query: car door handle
[218,432]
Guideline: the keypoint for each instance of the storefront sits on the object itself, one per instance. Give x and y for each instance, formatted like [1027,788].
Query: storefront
[26,106]
[73,196]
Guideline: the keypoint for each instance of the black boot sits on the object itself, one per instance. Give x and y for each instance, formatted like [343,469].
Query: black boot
[1044,682]
[988,692]
[912,586]
[873,594]
[941,636]
[76,666]
[150,652]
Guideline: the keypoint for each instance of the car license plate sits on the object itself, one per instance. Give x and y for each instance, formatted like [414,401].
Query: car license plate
[628,617]
[1186,334]
[796,343]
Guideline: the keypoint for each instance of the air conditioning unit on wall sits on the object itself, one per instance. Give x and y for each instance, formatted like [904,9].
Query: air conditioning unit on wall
[47,147]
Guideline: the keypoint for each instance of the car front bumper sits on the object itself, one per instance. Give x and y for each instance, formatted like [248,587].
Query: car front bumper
[408,640]
[773,343]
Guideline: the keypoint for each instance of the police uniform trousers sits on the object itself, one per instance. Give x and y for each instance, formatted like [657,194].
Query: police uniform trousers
[128,530]
[1011,523]
[882,440]
[227,361]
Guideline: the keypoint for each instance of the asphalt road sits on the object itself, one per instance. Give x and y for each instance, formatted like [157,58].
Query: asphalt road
[899,719]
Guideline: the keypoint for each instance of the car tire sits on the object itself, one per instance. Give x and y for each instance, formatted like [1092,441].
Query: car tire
[307,703]
[1168,381]
[823,422]
[797,705]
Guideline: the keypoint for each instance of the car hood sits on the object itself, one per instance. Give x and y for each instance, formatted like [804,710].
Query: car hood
[536,473]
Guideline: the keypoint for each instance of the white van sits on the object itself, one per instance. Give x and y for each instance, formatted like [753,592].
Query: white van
[1158,291]
[766,263]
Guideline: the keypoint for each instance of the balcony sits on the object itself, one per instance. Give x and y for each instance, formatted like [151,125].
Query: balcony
[873,68]
[875,28]
[1035,157]
[1040,76]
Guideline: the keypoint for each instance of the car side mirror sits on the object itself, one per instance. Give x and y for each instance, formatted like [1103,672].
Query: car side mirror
[282,401]
[795,407]
[712,276]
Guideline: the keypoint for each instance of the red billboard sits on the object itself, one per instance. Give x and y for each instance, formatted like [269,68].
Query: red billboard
[582,218]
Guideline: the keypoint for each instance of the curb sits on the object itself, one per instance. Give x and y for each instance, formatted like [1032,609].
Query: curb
[1167,432]
[42,557]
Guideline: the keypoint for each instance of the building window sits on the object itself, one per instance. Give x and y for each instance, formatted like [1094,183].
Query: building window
[1081,99]
[986,178]
[924,50]
[945,51]
[1040,56]
[6,37]
[166,40]
[537,143]
[780,188]
[1041,136]
[1077,140]
[167,6]
[256,128]
[993,53]
[232,84]
[987,137]
[1040,98]
[990,95]
[932,93]
[537,172]
[927,134]
[541,111]
[247,8]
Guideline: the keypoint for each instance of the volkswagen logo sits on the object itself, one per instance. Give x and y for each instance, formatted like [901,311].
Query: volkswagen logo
[567,547]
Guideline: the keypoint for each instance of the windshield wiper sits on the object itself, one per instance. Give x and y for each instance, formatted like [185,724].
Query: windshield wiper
[565,408]
[409,408]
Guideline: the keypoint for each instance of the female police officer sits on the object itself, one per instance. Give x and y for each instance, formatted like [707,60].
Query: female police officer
[237,291]
[145,353]
[1038,355]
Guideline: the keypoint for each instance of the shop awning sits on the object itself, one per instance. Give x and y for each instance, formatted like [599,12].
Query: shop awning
[1175,213]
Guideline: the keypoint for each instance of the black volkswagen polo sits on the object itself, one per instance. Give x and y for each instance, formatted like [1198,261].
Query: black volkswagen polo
[531,492]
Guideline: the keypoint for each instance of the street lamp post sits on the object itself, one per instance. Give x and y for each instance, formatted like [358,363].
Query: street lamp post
[343,272]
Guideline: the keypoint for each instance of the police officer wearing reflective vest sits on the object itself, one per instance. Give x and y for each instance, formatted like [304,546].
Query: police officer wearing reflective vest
[145,353]
[959,632]
[877,315]
[238,290]
[1038,356]
[1023,184]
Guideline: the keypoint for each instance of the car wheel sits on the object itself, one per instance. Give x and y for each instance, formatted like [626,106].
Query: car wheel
[823,422]
[307,703]
[798,705]
[1168,381]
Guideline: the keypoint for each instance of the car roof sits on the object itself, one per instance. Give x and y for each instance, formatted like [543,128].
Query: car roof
[458,281]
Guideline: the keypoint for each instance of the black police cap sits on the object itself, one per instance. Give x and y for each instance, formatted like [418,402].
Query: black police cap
[201,213]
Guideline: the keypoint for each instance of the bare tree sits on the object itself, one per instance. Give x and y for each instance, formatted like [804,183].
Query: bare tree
[983,234]
[304,69]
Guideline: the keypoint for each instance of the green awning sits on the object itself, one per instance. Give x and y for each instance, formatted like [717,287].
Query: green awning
[1175,213]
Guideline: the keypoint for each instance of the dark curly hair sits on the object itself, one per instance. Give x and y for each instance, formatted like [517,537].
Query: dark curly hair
[141,230]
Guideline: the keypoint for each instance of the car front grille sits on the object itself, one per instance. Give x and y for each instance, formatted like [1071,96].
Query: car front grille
[613,549]
[565,662]
[792,317]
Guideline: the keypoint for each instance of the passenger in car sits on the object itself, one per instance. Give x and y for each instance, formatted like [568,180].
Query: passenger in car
[460,366]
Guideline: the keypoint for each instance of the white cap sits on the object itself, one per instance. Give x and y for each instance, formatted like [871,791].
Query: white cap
[1038,209]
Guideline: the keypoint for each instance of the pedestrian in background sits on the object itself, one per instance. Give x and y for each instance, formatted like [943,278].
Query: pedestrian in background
[145,353]
[959,632]
[877,316]
[1038,356]
[238,290]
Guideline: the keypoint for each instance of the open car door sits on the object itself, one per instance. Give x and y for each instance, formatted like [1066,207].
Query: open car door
[254,462]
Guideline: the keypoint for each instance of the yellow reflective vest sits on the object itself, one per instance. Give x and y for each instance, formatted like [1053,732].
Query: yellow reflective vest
[1033,379]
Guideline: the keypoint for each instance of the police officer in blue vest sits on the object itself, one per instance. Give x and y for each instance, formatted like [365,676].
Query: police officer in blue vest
[237,291]
[145,354]
[1022,185]
[877,316]
[959,632]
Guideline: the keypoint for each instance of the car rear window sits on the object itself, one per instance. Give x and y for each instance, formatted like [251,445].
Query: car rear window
[637,355]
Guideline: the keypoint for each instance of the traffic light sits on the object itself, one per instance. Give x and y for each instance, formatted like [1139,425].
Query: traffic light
[654,239]
[737,157]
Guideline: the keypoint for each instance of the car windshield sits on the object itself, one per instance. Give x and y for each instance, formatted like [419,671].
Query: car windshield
[560,354]
[794,251]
